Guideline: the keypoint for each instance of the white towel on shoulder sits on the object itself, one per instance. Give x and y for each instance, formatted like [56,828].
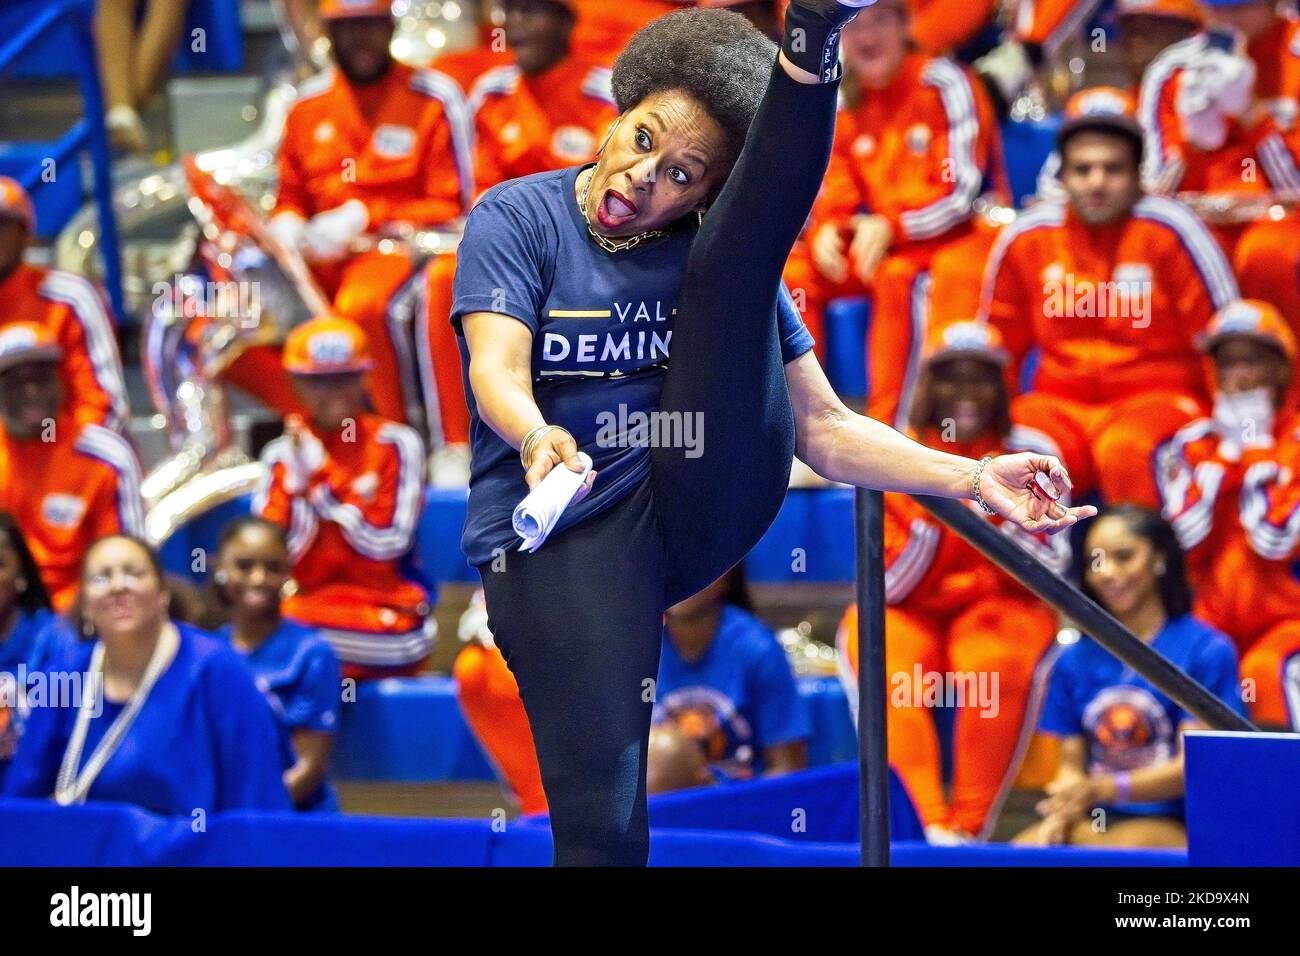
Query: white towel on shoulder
[536,516]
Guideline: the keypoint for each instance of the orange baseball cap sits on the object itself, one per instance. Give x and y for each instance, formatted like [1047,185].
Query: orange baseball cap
[16,204]
[1100,107]
[1173,9]
[329,345]
[1253,319]
[344,9]
[965,338]
[24,342]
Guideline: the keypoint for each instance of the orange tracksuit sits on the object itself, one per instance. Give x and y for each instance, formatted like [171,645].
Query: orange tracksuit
[942,25]
[67,489]
[1050,23]
[349,530]
[74,312]
[1114,312]
[951,610]
[531,124]
[489,697]
[525,125]
[467,65]
[605,26]
[1239,522]
[1258,160]
[403,149]
[916,153]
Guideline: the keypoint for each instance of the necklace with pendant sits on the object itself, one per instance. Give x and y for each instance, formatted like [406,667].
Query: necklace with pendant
[612,245]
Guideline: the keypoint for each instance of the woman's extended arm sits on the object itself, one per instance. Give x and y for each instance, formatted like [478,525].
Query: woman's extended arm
[844,446]
[501,378]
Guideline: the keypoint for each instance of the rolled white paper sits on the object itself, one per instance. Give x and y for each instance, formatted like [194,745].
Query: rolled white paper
[535,517]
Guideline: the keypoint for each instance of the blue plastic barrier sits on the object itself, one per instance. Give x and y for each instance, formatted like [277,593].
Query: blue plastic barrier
[846,322]
[38,833]
[1243,799]
[818,805]
[408,729]
[413,729]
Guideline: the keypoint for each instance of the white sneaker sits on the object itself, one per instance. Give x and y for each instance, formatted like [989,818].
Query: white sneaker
[126,130]
[937,835]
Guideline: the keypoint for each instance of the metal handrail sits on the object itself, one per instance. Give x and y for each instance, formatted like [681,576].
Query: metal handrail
[1063,595]
[89,133]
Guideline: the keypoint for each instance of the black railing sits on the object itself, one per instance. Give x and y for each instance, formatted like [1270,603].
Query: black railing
[1059,593]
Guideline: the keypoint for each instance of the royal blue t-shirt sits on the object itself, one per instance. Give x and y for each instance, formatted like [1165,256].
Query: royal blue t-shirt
[602,330]
[1128,723]
[37,637]
[737,699]
[205,738]
[298,672]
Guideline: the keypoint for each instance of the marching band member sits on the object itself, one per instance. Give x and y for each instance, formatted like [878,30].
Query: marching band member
[950,609]
[368,145]
[70,308]
[348,486]
[1112,286]
[1228,485]
[66,482]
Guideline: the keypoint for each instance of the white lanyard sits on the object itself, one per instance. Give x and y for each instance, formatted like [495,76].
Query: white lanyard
[72,786]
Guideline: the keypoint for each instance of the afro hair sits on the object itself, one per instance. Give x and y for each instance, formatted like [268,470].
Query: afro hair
[716,57]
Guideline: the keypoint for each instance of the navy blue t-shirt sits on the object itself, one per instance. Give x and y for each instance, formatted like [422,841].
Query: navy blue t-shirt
[602,329]
[1128,723]
[737,699]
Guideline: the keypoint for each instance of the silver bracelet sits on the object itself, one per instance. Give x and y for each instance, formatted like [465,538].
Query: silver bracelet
[975,485]
[530,441]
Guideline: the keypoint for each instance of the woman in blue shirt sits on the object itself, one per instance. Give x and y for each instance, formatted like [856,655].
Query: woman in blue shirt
[292,664]
[571,287]
[726,690]
[1120,781]
[156,713]
[30,634]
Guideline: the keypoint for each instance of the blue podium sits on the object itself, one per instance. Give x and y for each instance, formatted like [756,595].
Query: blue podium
[1243,799]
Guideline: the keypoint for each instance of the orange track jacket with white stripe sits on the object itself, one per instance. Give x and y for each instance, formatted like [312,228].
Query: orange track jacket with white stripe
[74,312]
[66,488]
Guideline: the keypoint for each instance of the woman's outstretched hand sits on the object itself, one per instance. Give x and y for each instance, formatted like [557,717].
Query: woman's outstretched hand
[1027,489]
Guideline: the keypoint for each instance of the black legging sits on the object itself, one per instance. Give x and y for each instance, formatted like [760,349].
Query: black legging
[580,622]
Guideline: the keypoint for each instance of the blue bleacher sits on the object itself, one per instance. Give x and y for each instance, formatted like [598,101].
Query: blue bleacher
[412,729]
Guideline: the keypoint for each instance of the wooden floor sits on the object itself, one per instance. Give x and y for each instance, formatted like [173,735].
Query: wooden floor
[465,800]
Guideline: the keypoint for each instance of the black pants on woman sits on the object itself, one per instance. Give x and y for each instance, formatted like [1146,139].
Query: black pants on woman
[580,622]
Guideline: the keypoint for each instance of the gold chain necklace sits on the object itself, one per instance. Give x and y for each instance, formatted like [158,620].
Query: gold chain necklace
[611,245]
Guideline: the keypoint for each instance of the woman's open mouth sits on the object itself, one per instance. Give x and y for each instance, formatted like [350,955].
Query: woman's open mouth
[615,210]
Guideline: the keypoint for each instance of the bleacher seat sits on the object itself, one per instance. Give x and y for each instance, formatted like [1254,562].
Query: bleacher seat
[412,729]
[1025,147]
